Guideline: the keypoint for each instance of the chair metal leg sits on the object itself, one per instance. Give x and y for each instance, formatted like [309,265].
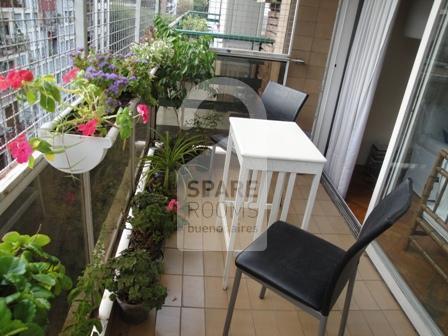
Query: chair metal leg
[262,292]
[323,325]
[348,298]
[236,285]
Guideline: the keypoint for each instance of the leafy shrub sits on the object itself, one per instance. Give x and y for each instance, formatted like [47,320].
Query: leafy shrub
[194,23]
[134,278]
[29,279]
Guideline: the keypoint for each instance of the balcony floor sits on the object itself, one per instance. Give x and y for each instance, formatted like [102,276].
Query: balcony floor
[196,303]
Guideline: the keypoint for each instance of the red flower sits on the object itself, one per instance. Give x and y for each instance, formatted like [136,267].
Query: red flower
[88,128]
[71,75]
[15,78]
[4,84]
[143,110]
[20,149]
[172,205]
[26,75]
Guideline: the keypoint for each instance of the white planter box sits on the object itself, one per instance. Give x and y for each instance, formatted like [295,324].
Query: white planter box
[80,153]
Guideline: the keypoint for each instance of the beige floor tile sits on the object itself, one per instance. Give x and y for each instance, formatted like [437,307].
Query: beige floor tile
[399,323]
[173,261]
[193,291]
[328,208]
[382,295]
[173,283]
[214,321]
[265,323]
[288,323]
[168,322]
[357,324]
[378,323]
[213,263]
[193,263]
[193,322]
[242,323]
[215,296]
[242,300]
[253,289]
[363,297]
[366,270]
[310,325]
[334,323]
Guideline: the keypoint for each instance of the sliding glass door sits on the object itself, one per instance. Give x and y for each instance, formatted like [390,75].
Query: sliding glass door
[417,246]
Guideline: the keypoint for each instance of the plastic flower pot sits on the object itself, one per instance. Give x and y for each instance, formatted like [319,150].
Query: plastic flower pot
[80,153]
[132,313]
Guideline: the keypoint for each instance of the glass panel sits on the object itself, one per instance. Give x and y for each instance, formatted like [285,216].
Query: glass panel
[52,205]
[418,244]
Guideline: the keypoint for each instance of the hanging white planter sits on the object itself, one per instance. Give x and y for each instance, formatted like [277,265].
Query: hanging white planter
[80,153]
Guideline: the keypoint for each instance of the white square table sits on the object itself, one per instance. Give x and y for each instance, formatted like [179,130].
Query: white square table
[267,146]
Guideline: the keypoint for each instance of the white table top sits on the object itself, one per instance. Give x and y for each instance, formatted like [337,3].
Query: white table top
[274,140]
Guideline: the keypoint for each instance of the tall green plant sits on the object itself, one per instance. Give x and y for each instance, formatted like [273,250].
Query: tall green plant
[168,159]
[29,279]
[191,63]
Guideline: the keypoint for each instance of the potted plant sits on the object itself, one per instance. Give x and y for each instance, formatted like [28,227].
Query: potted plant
[153,220]
[78,139]
[133,278]
[30,279]
[86,297]
[168,158]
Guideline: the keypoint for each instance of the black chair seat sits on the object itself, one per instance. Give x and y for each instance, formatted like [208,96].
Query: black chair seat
[289,250]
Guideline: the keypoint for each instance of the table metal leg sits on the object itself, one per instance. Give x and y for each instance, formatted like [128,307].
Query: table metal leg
[277,197]
[225,177]
[239,202]
[262,199]
[310,202]
[288,196]
[252,186]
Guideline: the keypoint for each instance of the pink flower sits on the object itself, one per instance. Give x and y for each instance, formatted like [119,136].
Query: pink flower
[172,205]
[143,110]
[4,84]
[88,128]
[15,79]
[71,75]
[20,149]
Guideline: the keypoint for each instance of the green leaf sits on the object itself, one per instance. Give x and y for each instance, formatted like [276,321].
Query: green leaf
[31,161]
[40,240]
[31,96]
[33,329]
[25,311]
[47,102]
[53,92]
[45,279]
[10,265]
[8,326]
[11,237]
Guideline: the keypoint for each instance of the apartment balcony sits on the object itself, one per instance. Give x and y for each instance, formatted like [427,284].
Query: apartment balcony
[199,162]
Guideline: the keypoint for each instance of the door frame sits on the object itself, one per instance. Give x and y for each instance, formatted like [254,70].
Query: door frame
[345,27]
[419,317]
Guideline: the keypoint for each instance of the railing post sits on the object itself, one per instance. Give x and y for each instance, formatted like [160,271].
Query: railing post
[81,24]
[138,8]
[89,239]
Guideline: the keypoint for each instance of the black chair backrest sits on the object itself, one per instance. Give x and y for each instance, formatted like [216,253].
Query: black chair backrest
[382,217]
[281,102]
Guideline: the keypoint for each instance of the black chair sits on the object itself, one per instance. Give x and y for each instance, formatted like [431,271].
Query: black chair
[309,271]
[280,102]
